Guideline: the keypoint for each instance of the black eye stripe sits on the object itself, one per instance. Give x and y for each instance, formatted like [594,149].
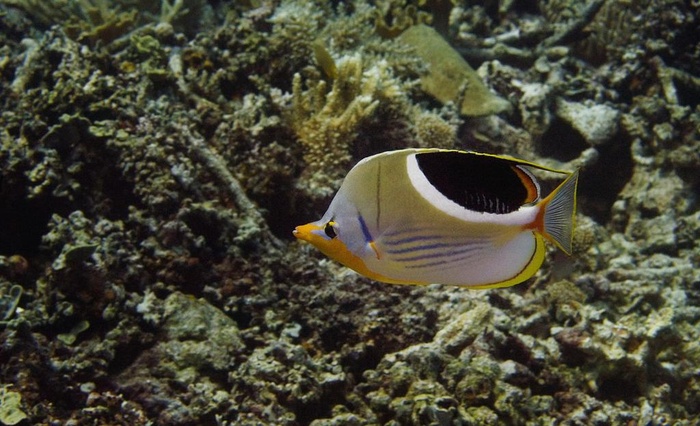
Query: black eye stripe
[328,229]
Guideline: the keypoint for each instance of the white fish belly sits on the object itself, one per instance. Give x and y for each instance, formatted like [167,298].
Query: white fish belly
[422,256]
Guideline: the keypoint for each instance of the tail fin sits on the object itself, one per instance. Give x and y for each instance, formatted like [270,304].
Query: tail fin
[559,213]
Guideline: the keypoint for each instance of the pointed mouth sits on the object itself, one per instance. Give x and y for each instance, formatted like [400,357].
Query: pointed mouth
[302,232]
[306,232]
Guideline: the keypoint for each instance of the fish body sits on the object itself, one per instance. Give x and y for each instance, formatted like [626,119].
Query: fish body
[422,216]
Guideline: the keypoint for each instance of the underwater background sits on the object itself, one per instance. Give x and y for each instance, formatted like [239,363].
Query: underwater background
[156,155]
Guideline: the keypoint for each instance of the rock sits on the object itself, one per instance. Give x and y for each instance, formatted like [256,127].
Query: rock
[597,123]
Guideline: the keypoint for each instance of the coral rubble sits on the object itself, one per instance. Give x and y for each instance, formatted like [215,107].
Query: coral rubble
[154,157]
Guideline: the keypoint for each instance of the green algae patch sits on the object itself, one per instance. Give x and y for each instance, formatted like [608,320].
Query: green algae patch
[10,411]
[450,78]
[70,337]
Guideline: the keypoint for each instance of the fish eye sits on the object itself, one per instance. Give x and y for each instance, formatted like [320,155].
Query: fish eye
[329,230]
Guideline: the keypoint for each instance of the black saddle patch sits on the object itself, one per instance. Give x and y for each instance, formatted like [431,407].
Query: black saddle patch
[476,182]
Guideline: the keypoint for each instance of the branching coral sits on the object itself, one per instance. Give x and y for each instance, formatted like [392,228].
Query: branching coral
[327,121]
[550,37]
[105,20]
[169,11]
[83,19]
[402,17]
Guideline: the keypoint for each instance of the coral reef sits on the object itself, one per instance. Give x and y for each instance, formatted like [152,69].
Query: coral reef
[154,157]
[103,21]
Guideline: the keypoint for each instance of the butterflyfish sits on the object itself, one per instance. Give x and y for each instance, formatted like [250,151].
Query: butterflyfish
[422,216]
